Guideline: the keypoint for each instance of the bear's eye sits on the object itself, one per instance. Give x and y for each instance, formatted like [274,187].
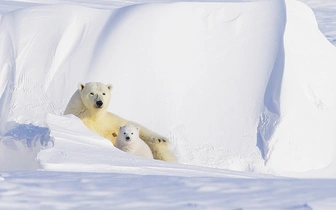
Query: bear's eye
[104,94]
[124,133]
[131,133]
[91,94]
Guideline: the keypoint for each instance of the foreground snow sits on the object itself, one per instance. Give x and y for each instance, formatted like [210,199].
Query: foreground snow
[38,190]
[244,90]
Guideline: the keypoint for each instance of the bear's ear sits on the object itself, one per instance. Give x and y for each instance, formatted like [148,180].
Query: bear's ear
[109,86]
[80,86]
[138,128]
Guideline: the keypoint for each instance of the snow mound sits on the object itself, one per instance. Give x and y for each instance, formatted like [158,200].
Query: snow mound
[232,85]
[20,145]
[304,138]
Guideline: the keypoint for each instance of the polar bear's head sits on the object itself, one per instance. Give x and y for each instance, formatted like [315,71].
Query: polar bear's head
[95,95]
[128,133]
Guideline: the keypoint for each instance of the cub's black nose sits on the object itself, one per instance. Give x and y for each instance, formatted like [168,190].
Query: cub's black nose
[127,138]
[99,103]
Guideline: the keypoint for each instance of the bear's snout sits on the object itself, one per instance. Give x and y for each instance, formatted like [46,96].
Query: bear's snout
[99,104]
[127,138]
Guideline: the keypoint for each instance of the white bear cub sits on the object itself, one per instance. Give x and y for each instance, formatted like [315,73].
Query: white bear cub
[128,140]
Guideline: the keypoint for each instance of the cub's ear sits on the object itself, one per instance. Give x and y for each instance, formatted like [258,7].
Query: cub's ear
[109,86]
[80,86]
[138,128]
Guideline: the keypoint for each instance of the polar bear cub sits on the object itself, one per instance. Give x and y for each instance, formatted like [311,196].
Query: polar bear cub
[128,140]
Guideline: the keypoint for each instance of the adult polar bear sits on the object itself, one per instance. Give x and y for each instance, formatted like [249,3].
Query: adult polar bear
[90,102]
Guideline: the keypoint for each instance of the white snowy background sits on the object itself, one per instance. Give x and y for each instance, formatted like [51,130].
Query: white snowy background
[245,90]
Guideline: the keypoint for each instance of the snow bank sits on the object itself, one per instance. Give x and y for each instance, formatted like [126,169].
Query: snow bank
[19,146]
[195,75]
[304,138]
[217,78]
[77,149]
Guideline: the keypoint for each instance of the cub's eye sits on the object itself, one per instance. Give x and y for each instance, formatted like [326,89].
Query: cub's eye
[124,133]
[131,133]
[104,94]
[91,94]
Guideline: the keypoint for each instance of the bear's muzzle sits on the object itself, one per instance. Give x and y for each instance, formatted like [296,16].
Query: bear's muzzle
[99,104]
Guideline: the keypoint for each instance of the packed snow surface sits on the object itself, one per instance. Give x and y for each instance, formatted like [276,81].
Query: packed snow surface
[325,11]
[244,90]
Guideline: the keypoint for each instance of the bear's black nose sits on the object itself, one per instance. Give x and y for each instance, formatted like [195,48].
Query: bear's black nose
[99,103]
[127,138]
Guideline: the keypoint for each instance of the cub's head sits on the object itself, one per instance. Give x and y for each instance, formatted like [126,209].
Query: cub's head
[95,95]
[128,132]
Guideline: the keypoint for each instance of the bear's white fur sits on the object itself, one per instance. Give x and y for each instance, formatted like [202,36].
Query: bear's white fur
[90,102]
[128,140]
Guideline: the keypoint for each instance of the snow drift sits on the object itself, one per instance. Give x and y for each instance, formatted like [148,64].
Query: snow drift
[233,85]
[305,135]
